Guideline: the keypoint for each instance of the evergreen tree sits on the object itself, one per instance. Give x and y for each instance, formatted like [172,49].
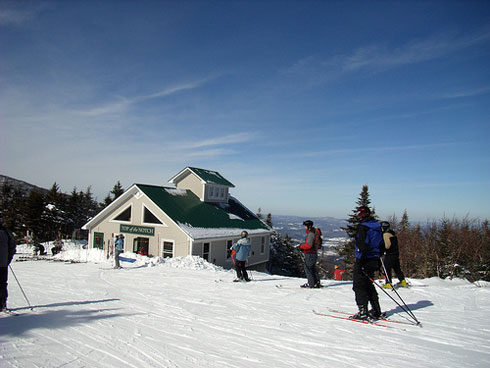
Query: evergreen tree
[284,258]
[54,216]
[346,250]
[116,192]
[11,202]
[32,210]
[259,214]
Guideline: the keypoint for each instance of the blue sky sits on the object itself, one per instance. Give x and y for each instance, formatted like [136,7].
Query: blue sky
[298,103]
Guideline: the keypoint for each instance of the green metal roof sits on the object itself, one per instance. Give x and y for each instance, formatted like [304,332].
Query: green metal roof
[185,208]
[212,177]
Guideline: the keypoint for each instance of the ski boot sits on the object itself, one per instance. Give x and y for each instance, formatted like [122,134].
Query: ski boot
[362,314]
[375,312]
[402,283]
[388,285]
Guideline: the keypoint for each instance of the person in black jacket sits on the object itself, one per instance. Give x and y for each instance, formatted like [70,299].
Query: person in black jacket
[392,257]
[7,251]
[369,239]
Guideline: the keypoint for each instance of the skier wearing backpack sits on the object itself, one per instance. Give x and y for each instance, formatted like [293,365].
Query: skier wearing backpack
[369,238]
[309,249]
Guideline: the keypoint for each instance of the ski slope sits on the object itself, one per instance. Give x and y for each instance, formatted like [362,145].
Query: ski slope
[185,312]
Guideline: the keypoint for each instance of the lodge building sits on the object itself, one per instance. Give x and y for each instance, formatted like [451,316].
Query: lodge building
[195,216]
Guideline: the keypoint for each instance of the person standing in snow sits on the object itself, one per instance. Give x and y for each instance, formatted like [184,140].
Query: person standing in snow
[119,248]
[242,250]
[369,239]
[7,251]
[392,256]
[310,256]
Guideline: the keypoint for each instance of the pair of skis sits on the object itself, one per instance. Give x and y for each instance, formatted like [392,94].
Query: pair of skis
[381,322]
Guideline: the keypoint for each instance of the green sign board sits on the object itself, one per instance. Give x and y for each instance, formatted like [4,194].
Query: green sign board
[140,230]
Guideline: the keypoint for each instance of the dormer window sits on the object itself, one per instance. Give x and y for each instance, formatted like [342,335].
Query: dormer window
[217,193]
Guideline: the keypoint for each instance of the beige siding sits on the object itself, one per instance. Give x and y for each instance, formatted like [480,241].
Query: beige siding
[193,183]
[167,232]
[218,251]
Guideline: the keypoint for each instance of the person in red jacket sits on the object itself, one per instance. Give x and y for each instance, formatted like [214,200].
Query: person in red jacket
[310,256]
[338,273]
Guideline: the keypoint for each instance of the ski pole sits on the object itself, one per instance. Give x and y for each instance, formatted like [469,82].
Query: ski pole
[18,283]
[399,296]
[409,312]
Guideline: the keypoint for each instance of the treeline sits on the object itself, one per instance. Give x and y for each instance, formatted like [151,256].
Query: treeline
[47,215]
[442,248]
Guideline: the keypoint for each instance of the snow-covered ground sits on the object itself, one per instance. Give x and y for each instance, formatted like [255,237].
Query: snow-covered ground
[185,312]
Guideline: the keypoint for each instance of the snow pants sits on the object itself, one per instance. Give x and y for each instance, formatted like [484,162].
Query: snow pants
[392,262]
[241,270]
[363,287]
[310,269]
[3,287]
[117,252]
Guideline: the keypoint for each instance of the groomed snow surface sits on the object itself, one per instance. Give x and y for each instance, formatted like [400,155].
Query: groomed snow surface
[185,312]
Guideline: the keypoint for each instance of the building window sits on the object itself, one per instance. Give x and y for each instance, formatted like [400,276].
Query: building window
[262,245]
[205,251]
[222,192]
[124,215]
[150,218]
[168,249]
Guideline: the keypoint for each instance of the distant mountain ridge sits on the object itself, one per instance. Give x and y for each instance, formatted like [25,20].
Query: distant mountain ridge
[22,184]
[293,226]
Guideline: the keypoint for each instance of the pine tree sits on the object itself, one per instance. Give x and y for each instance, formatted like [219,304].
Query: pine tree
[346,250]
[118,190]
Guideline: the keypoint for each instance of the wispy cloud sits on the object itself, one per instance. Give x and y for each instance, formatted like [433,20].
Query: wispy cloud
[374,149]
[13,15]
[467,93]
[224,140]
[124,103]
[379,57]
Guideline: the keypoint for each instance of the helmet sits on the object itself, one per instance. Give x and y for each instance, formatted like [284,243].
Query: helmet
[308,223]
[363,211]
[244,234]
[385,225]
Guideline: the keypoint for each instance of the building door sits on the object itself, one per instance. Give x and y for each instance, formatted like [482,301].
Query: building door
[99,240]
[141,245]
[205,251]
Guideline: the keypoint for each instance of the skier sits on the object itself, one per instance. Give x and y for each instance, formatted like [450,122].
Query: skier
[369,238]
[7,251]
[338,273]
[119,245]
[392,257]
[242,250]
[310,257]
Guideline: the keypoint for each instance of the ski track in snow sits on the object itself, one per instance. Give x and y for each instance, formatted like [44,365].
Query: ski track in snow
[89,315]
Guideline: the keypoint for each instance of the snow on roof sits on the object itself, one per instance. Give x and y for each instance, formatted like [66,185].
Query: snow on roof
[212,233]
[176,192]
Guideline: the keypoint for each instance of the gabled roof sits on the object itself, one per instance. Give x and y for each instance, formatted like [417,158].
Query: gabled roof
[207,176]
[201,219]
